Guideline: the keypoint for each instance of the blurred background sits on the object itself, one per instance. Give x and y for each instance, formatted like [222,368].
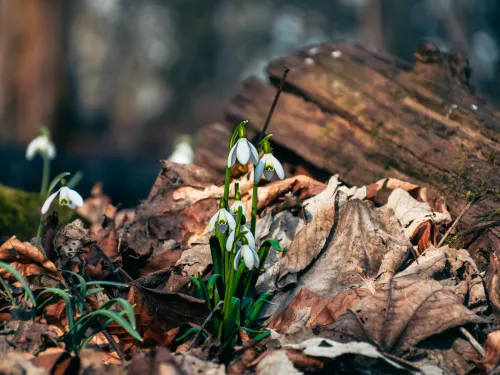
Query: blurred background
[118,81]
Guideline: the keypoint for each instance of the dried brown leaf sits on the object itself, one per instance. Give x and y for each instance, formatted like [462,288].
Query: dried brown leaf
[319,311]
[403,312]
[29,259]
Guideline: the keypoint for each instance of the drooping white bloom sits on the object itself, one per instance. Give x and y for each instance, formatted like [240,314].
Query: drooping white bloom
[243,150]
[183,151]
[67,197]
[250,257]
[234,207]
[267,166]
[43,145]
[248,235]
[223,219]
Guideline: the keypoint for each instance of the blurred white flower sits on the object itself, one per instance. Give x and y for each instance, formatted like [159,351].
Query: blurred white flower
[183,152]
[67,197]
[41,145]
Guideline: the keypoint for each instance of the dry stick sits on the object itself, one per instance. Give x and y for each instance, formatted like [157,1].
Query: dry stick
[473,341]
[466,208]
[205,323]
[273,106]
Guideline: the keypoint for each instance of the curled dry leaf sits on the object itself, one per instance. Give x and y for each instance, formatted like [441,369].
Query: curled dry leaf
[493,279]
[413,213]
[26,258]
[324,348]
[17,363]
[417,192]
[276,362]
[57,361]
[308,309]
[491,358]
[404,311]
[366,243]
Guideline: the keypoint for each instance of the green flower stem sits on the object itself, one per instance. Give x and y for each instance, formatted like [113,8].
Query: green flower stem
[45,175]
[254,209]
[39,232]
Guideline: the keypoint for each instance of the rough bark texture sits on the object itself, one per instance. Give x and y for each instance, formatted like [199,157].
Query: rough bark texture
[366,115]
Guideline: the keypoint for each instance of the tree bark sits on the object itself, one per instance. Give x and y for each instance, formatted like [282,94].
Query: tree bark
[367,115]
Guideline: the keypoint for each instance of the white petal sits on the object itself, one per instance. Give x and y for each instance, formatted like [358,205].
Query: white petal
[51,150]
[235,206]
[258,170]
[211,224]
[222,228]
[47,203]
[231,159]
[230,220]
[268,174]
[34,146]
[254,154]
[64,195]
[248,257]
[256,259]
[250,239]
[71,205]
[242,151]
[75,199]
[237,260]
[230,241]
[278,167]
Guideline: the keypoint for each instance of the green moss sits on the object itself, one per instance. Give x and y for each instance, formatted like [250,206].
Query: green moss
[20,213]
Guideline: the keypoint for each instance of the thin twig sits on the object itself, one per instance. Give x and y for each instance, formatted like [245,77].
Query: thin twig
[273,106]
[473,341]
[205,323]
[450,229]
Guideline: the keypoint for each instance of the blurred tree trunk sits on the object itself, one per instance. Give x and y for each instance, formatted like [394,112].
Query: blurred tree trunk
[30,65]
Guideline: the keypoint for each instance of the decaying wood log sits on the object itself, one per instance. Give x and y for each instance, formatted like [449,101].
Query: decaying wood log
[366,115]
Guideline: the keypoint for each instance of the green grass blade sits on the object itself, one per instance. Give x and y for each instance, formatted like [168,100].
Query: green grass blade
[21,280]
[65,296]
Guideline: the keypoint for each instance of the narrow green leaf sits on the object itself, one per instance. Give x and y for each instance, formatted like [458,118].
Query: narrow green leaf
[67,300]
[274,244]
[55,181]
[127,308]
[215,281]
[21,280]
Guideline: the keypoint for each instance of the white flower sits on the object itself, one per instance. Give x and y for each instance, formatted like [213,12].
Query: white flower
[248,235]
[250,258]
[67,197]
[223,219]
[43,145]
[234,208]
[243,150]
[268,165]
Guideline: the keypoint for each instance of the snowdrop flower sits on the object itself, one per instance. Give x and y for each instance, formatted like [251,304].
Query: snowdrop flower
[67,197]
[250,257]
[235,206]
[267,166]
[223,219]
[42,145]
[242,150]
[248,235]
[183,151]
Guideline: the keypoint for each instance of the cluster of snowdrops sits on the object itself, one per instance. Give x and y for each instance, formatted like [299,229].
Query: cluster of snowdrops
[230,290]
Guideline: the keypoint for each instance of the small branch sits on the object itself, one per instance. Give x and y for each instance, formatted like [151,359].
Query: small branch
[273,106]
[205,323]
[450,229]
[472,341]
